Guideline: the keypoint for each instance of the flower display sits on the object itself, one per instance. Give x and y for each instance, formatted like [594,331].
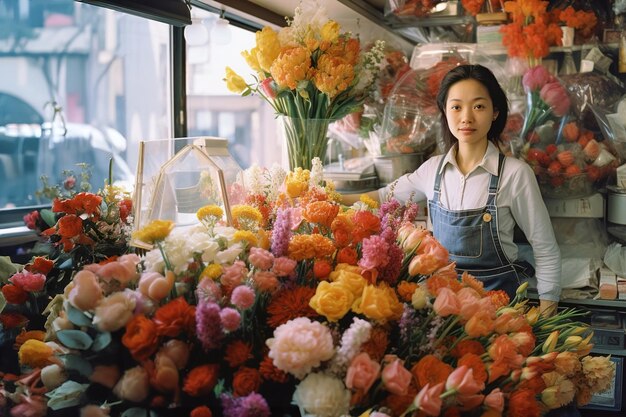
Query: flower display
[306,306]
[584,21]
[568,159]
[311,73]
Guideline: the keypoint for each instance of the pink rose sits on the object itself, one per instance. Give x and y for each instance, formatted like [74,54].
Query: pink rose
[28,281]
[105,375]
[495,400]
[428,399]
[284,266]
[556,97]
[123,270]
[230,318]
[414,239]
[396,378]
[362,373]
[446,303]
[114,311]
[260,258]
[535,78]
[86,292]
[242,297]
[265,281]
[134,385]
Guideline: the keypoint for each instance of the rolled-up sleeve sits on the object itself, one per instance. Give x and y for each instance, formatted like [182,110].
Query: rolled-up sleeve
[531,214]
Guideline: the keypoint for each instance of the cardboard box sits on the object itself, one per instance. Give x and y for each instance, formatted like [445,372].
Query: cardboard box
[591,206]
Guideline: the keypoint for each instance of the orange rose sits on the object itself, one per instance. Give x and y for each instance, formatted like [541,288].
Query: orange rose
[70,226]
[246,381]
[201,380]
[140,337]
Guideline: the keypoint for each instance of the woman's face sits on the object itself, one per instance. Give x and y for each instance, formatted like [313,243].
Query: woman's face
[469,111]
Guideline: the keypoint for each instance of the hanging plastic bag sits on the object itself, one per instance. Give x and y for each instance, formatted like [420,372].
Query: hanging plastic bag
[615,259]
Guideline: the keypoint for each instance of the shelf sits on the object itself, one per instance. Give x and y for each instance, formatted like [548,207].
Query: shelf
[397,23]
[586,302]
[612,352]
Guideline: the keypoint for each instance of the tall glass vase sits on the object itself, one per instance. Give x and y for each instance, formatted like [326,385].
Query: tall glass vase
[306,139]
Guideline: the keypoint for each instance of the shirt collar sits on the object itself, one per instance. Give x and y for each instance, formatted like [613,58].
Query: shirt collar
[489,162]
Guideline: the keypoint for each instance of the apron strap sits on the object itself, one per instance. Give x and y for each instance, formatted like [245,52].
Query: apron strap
[494,182]
[437,186]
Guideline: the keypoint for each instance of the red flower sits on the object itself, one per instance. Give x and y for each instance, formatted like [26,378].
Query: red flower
[14,294]
[175,317]
[70,226]
[125,207]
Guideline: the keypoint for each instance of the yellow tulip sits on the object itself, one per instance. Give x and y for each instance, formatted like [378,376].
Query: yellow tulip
[268,48]
[330,31]
[550,344]
[234,82]
[252,60]
[532,315]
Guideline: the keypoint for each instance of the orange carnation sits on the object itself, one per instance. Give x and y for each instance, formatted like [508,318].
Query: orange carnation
[237,353]
[522,403]
[175,317]
[473,361]
[140,337]
[321,212]
[347,255]
[431,370]
[467,346]
[406,289]
[376,345]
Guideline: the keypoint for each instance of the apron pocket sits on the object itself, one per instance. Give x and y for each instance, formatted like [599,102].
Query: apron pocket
[463,241]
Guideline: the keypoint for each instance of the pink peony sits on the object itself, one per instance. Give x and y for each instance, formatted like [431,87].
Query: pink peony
[242,297]
[284,266]
[260,258]
[396,378]
[28,281]
[86,292]
[362,372]
[230,318]
[300,345]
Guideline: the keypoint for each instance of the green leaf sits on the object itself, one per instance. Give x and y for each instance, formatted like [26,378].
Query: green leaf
[3,302]
[67,395]
[48,216]
[101,341]
[75,339]
[77,317]
[7,268]
[135,412]
[77,363]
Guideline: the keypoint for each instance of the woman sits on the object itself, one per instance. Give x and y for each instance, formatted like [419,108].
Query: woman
[476,195]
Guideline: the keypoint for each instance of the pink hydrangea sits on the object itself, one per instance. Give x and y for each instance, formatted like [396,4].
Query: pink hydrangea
[242,297]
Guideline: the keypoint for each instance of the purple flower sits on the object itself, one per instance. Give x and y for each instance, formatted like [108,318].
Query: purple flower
[253,405]
[281,233]
[208,324]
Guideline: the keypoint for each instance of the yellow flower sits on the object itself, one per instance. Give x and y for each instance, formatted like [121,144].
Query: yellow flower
[332,300]
[598,371]
[253,61]
[234,82]
[322,245]
[333,75]
[300,248]
[331,192]
[212,271]
[369,201]
[34,354]
[419,299]
[263,237]
[268,48]
[550,344]
[533,315]
[291,66]
[567,363]
[210,213]
[155,231]
[246,217]
[378,303]
[354,281]
[245,236]
[559,390]
[330,31]
[297,182]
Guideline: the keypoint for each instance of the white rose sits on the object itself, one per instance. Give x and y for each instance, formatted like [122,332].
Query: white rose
[323,396]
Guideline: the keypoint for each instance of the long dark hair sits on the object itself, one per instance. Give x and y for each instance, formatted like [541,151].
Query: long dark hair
[498,97]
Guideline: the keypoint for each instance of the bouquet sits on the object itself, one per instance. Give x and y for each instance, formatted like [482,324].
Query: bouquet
[303,305]
[568,159]
[312,74]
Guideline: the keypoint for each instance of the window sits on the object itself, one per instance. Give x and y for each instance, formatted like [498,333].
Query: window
[108,71]
[249,123]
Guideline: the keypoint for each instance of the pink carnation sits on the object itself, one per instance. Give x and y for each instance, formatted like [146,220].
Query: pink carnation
[28,281]
[242,297]
[265,281]
[284,266]
[231,319]
[234,274]
[260,258]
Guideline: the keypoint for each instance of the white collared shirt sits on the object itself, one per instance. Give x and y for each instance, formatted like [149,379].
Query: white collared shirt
[519,201]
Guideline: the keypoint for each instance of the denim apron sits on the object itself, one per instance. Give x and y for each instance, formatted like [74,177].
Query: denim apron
[471,237]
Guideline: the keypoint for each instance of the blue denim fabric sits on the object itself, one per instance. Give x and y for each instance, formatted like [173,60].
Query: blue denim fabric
[471,237]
